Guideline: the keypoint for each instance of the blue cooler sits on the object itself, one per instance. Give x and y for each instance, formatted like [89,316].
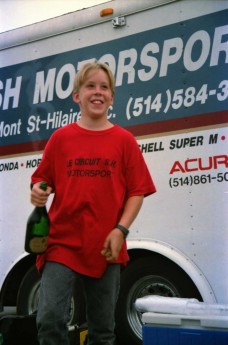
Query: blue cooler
[174,329]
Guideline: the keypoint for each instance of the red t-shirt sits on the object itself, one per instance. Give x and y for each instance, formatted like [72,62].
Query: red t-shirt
[92,173]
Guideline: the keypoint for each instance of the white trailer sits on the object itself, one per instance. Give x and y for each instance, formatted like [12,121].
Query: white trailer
[170,62]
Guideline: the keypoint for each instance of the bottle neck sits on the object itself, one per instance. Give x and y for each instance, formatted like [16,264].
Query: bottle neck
[42,210]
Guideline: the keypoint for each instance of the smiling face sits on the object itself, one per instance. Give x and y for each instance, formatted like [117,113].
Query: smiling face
[95,95]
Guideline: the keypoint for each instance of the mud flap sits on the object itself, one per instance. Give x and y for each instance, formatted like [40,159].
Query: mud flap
[16,329]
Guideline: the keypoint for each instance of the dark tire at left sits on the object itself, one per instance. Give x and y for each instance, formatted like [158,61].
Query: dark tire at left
[28,297]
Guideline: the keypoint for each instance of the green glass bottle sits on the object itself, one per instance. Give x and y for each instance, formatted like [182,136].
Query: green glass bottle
[37,230]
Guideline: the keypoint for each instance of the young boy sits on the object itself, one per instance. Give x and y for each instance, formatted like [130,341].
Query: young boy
[99,179]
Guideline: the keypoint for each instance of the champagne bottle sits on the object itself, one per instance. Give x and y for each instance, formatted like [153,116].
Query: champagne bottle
[37,228]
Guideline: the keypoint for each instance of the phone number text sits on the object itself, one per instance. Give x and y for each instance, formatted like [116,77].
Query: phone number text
[175,100]
[197,179]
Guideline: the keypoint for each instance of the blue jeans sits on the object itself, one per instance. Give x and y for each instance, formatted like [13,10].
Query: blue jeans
[56,290]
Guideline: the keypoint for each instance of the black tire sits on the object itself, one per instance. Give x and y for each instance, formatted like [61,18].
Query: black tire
[148,275]
[28,294]
[28,297]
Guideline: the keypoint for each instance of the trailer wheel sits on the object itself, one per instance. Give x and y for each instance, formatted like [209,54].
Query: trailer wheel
[28,297]
[149,275]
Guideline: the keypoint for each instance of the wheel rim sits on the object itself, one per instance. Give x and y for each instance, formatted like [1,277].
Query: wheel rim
[147,285]
[33,300]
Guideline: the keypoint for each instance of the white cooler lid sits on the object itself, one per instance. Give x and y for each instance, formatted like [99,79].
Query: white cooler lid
[187,321]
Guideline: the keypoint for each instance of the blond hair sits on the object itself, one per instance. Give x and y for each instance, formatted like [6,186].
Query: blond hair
[86,68]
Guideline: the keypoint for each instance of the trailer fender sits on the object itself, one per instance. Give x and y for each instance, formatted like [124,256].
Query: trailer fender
[181,260]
